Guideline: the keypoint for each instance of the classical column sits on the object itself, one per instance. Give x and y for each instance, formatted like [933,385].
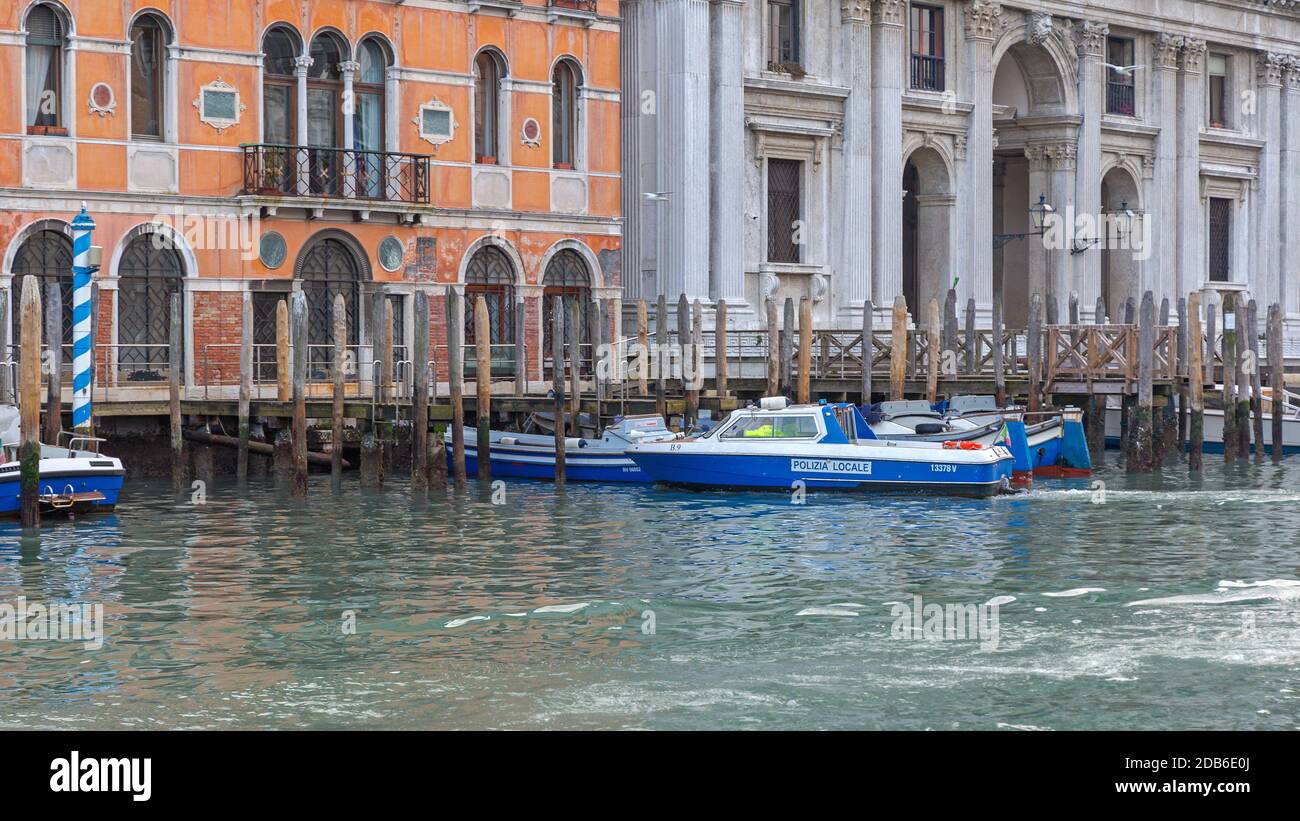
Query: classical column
[300,66]
[1052,170]
[727,156]
[1090,38]
[1161,210]
[887,147]
[683,123]
[852,283]
[1191,115]
[1289,193]
[630,151]
[983,25]
[1036,250]
[1264,279]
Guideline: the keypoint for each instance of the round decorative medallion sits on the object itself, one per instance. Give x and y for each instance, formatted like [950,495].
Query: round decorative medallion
[391,253]
[102,99]
[531,133]
[272,250]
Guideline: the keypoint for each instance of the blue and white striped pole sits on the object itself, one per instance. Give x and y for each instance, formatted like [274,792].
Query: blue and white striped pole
[82,365]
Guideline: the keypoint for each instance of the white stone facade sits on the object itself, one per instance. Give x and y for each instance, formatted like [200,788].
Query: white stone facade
[1026,106]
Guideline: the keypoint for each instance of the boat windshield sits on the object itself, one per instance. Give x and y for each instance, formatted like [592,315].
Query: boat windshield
[773,427]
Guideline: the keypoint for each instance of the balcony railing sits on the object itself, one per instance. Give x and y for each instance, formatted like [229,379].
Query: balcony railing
[308,171]
[575,5]
[1119,99]
[927,73]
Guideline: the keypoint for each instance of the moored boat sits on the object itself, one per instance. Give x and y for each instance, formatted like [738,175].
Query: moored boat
[776,446]
[74,477]
[586,459]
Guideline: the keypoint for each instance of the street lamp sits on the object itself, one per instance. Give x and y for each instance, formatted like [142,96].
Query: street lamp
[1038,216]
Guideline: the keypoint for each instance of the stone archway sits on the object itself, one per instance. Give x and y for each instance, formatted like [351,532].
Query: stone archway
[1120,270]
[928,204]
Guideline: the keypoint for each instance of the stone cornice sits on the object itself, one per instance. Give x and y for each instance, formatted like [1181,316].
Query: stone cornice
[983,20]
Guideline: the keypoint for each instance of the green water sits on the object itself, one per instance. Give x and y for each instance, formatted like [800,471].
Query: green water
[667,609]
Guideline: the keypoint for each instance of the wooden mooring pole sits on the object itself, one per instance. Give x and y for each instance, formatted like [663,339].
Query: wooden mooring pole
[1181,375]
[1143,459]
[805,350]
[934,343]
[456,380]
[898,350]
[1256,406]
[340,383]
[999,366]
[1034,351]
[282,368]
[1195,383]
[245,383]
[1276,380]
[575,367]
[693,372]
[773,351]
[720,347]
[868,331]
[483,382]
[787,347]
[660,358]
[420,397]
[301,353]
[6,389]
[175,360]
[29,392]
[1230,438]
[54,379]
[557,374]
[643,339]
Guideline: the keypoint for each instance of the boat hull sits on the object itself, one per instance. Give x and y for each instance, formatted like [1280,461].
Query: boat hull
[1213,431]
[507,464]
[77,479]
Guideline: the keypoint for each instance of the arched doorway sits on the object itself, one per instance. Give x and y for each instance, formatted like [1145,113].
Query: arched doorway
[148,274]
[927,218]
[47,255]
[491,274]
[1034,157]
[567,275]
[329,268]
[1120,274]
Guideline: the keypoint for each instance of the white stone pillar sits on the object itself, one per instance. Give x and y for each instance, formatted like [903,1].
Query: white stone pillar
[983,25]
[682,127]
[727,157]
[887,147]
[1191,115]
[630,151]
[1052,170]
[852,282]
[1289,193]
[1161,209]
[1263,278]
[1090,39]
[1037,253]
[300,66]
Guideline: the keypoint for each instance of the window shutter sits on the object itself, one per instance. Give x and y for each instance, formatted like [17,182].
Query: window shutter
[44,27]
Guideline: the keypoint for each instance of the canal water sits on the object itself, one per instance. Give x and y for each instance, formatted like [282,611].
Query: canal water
[1160,602]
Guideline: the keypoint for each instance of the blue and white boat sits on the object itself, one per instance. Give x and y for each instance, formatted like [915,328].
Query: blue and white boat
[532,456]
[74,478]
[774,446]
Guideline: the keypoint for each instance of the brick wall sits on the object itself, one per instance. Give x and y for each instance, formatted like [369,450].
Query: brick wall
[217,320]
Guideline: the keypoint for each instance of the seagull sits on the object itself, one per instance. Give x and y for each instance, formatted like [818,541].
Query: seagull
[1124,71]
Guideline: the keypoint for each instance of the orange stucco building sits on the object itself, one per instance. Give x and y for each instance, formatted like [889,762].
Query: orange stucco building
[351,147]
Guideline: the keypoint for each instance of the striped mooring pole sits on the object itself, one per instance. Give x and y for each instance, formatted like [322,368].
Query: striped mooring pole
[82,364]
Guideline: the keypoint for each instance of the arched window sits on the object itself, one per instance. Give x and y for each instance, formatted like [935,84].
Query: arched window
[149,272]
[565,83]
[325,111]
[368,120]
[148,77]
[47,33]
[488,71]
[279,88]
[491,274]
[566,275]
[329,268]
[46,255]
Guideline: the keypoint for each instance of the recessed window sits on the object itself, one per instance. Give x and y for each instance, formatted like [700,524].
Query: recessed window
[46,39]
[927,48]
[784,206]
[783,32]
[564,115]
[148,68]
[1121,94]
[487,107]
[279,87]
[1217,65]
[1220,239]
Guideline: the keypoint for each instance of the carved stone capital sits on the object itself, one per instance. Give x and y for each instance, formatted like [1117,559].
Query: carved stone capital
[1269,66]
[1291,74]
[855,11]
[1058,156]
[983,20]
[889,12]
[1090,38]
[1192,55]
[1164,51]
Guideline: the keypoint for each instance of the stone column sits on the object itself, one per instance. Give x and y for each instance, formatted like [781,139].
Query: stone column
[1161,210]
[887,147]
[1090,39]
[983,25]
[630,149]
[683,124]
[300,66]
[1289,193]
[1191,115]
[852,282]
[727,157]
[1052,170]
[1264,280]
[1036,251]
